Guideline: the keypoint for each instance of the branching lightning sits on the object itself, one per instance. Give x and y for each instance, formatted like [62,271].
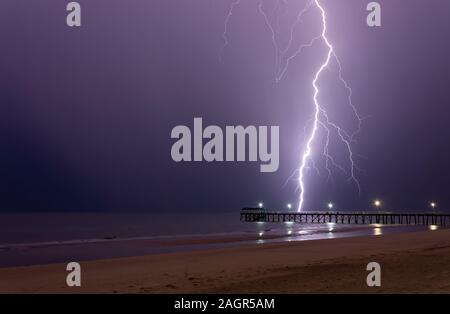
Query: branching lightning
[225,27]
[320,119]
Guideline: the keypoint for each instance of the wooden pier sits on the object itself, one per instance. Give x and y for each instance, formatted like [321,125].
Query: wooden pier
[383,218]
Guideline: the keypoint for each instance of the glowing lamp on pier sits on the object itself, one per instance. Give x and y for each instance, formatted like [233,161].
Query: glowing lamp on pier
[433,205]
[330,205]
[377,203]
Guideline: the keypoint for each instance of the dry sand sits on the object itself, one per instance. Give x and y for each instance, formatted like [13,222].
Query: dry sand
[411,262]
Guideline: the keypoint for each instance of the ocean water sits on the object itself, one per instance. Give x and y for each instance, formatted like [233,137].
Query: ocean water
[19,228]
[29,239]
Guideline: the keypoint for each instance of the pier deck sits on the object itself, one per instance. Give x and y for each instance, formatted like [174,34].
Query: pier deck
[385,218]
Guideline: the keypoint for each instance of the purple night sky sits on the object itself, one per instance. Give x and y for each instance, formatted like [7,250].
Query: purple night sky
[86,114]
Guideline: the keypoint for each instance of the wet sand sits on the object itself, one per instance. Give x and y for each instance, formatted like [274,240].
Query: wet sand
[411,262]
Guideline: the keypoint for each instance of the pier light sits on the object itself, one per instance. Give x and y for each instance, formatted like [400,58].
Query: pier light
[260,205]
[330,205]
[289,206]
[433,205]
[377,203]
[261,234]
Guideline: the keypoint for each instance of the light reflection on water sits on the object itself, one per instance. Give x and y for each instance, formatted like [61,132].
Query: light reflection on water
[377,231]
[288,232]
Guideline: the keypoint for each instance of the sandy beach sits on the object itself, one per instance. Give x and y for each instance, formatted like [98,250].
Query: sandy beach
[415,262]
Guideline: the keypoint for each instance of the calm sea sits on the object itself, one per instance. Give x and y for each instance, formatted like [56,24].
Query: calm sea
[28,239]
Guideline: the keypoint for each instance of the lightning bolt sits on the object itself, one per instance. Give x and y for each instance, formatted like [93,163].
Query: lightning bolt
[225,28]
[317,108]
[320,119]
[298,20]
[271,28]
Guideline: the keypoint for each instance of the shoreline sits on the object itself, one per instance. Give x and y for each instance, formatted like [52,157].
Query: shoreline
[410,262]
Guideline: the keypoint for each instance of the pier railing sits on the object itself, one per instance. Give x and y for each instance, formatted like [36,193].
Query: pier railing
[385,218]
